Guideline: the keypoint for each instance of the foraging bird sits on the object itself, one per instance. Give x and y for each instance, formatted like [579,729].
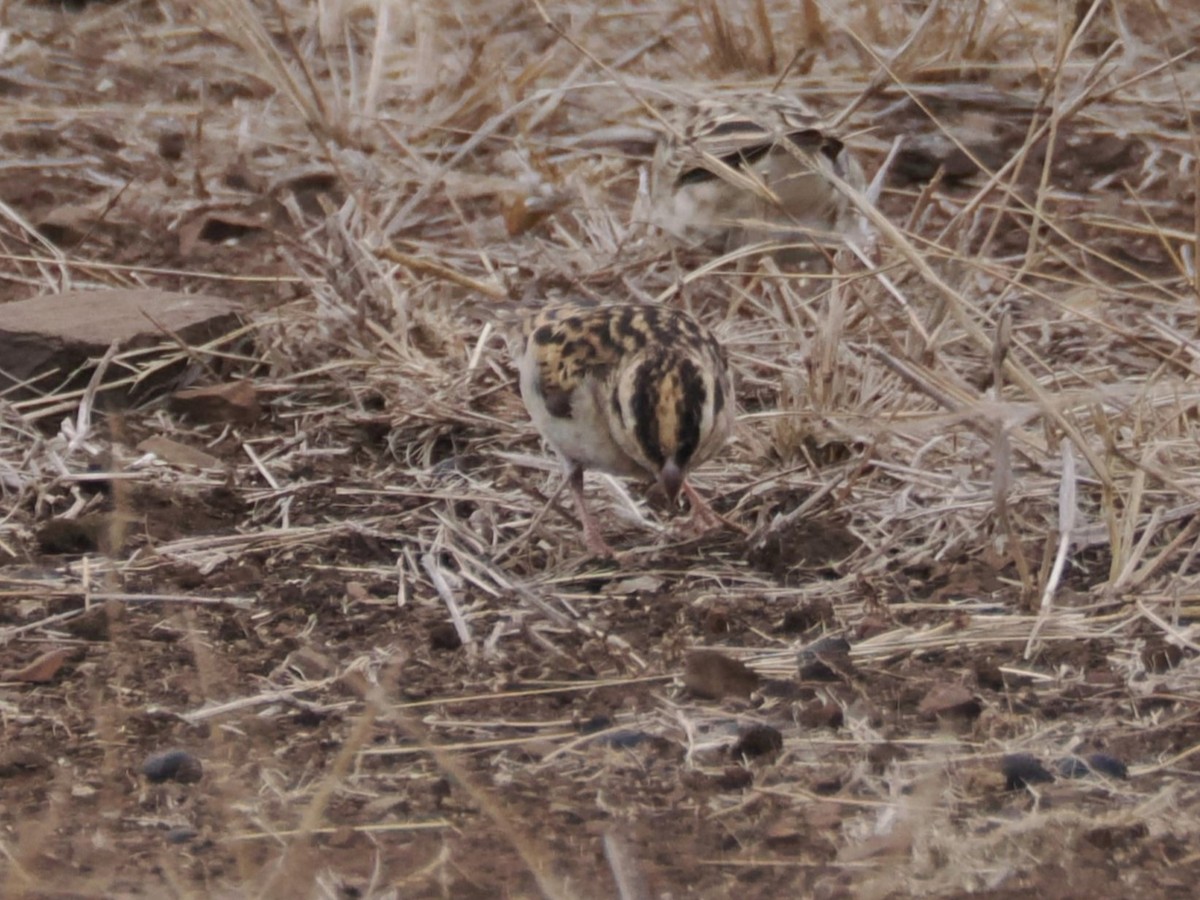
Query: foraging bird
[634,389]
[752,170]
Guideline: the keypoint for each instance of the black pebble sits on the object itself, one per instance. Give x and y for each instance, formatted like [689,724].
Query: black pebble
[594,724]
[757,740]
[825,659]
[444,636]
[173,765]
[626,739]
[1100,763]
[1023,769]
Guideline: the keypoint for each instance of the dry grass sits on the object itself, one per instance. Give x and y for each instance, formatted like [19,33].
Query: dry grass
[993,409]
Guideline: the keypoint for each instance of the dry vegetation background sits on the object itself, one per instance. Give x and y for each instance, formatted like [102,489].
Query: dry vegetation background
[974,456]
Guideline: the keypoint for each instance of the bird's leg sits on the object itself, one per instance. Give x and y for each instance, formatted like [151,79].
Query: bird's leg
[703,515]
[591,529]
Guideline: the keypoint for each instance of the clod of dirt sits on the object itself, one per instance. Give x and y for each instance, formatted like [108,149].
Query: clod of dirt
[19,760]
[713,675]
[595,723]
[807,543]
[1158,656]
[717,621]
[171,145]
[306,663]
[173,765]
[821,715]
[871,625]
[949,701]
[444,636]
[756,741]
[177,454]
[810,615]
[71,536]
[626,739]
[181,835]
[988,675]
[1023,769]
[826,659]
[1098,763]
[924,157]
[1109,838]
[234,401]
[735,778]
[784,835]
[880,756]
[91,626]
[41,670]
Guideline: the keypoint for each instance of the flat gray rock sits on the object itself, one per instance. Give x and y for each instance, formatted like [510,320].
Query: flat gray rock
[46,340]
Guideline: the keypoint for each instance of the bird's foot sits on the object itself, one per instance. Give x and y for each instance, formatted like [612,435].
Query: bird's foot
[704,518]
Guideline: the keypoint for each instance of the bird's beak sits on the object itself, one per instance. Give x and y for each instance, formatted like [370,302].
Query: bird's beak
[671,479]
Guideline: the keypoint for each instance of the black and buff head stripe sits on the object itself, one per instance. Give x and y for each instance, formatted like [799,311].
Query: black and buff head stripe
[689,413]
[669,394]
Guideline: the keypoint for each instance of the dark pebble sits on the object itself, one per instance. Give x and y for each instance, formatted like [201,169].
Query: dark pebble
[757,740]
[735,778]
[1023,769]
[1072,767]
[173,765]
[626,739]
[1100,763]
[444,636]
[825,659]
[595,723]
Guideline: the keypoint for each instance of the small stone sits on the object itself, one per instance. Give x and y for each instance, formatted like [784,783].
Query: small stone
[41,670]
[872,625]
[1072,767]
[444,636]
[70,537]
[717,621]
[811,615]
[757,740]
[626,739]
[234,401]
[949,700]
[821,715]
[825,659]
[173,765]
[1158,656]
[1023,769]
[988,675]
[181,835]
[713,675]
[179,455]
[304,663]
[20,760]
[881,756]
[1096,763]
[594,724]
[1108,765]
[171,145]
[735,778]
[92,625]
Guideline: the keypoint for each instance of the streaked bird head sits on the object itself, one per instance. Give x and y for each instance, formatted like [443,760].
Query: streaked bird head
[674,401]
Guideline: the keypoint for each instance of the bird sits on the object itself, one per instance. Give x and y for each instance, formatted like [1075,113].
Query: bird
[632,389]
[752,169]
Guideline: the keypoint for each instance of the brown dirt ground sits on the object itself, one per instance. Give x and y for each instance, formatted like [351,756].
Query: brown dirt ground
[566,722]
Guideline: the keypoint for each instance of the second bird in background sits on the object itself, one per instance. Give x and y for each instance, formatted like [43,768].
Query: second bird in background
[752,169]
